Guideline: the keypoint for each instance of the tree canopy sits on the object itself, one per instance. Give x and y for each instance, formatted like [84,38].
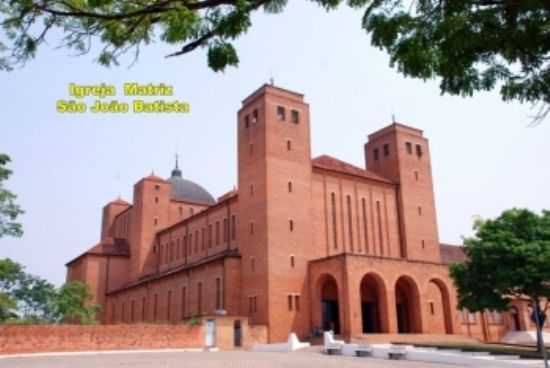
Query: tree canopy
[9,210]
[25,298]
[507,259]
[470,45]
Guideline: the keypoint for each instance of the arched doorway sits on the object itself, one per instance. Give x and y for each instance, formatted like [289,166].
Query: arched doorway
[407,300]
[373,304]
[514,316]
[330,308]
[440,307]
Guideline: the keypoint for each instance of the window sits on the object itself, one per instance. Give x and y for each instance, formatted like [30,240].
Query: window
[251,227]
[423,243]
[288,145]
[203,238]
[290,302]
[254,116]
[143,309]
[380,235]
[210,236]
[291,225]
[386,150]
[169,306]
[178,250]
[190,243]
[419,211]
[295,116]
[255,304]
[281,113]
[217,232]
[375,153]
[155,307]
[132,310]
[432,308]
[157,187]
[251,190]
[334,231]
[350,222]
[416,175]
[251,149]
[233,227]
[218,293]
[225,229]
[199,298]
[297,303]
[290,187]
[196,241]
[409,147]
[155,221]
[183,302]
[156,200]
[365,227]
[419,150]
[292,261]
[252,264]
[171,251]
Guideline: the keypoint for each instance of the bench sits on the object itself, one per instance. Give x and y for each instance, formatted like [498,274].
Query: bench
[363,350]
[333,350]
[397,353]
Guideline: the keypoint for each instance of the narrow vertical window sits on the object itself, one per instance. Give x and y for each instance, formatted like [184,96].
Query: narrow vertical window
[143,301]
[288,145]
[295,116]
[199,298]
[218,294]
[255,304]
[292,261]
[178,250]
[203,238]
[333,210]
[251,227]
[419,150]
[190,243]
[255,116]
[156,200]
[210,236]
[233,227]
[132,311]
[416,175]
[225,229]
[409,147]
[217,232]
[432,308]
[375,154]
[196,241]
[252,264]
[365,227]
[251,149]
[251,190]
[419,211]
[183,302]
[169,306]
[281,113]
[155,221]
[157,187]
[289,302]
[386,150]
[155,307]
[290,187]
[350,222]
[423,244]
[291,225]
[380,234]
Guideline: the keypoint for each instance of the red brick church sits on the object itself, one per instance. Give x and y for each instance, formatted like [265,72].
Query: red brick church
[303,243]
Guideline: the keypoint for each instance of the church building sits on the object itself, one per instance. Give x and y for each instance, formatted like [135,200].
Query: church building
[303,244]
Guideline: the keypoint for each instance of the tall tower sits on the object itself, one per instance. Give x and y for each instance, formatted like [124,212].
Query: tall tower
[274,161]
[401,154]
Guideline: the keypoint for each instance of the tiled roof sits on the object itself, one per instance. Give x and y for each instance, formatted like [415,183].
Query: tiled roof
[333,164]
[111,247]
[452,253]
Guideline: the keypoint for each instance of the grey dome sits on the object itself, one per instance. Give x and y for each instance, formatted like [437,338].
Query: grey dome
[186,190]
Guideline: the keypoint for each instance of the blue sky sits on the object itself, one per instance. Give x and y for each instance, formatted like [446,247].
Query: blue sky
[485,159]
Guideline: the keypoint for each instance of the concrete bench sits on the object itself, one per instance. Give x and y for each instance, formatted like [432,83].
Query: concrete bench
[333,350]
[397,353]
[363,350]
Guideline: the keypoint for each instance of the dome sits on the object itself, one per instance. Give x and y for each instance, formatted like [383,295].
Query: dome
[186,190]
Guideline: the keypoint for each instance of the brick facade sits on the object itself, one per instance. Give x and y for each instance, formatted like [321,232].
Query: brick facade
[303,243]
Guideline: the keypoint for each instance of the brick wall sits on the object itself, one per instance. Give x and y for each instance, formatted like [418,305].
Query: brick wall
[49,338]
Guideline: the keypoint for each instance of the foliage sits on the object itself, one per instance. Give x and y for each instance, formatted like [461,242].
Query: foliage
[472,45]
[9,211]
[507,258]
[26,298]
[74,303]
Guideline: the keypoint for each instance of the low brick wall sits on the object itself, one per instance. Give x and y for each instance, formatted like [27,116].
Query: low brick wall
[50,338]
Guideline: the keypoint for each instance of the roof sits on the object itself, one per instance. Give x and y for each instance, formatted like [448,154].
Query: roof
[111,247]
[452,253]
[119,201]
[327,162]
[186,190]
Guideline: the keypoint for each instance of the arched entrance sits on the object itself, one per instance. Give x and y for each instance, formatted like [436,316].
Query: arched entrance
[330,309]
[373,304]
[514,316]
[440,307]
[407,300]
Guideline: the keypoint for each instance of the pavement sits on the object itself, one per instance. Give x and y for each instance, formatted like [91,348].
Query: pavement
[181,359]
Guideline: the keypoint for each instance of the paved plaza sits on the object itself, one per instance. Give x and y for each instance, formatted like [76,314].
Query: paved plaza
[236,359]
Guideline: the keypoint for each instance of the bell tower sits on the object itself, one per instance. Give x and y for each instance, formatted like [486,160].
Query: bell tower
[274,172]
